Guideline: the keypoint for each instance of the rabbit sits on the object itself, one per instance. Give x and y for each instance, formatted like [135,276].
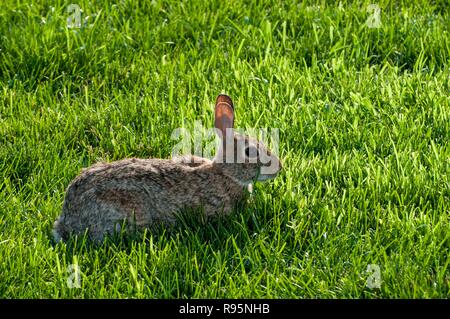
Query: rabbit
[144,192]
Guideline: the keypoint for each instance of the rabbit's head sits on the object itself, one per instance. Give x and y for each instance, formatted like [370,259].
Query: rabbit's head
[241,157]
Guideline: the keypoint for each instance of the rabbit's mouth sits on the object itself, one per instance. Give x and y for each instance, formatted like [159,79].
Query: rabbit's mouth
[265,177]
[261,177]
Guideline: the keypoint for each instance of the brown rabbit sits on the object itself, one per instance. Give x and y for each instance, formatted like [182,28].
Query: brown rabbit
[142,192]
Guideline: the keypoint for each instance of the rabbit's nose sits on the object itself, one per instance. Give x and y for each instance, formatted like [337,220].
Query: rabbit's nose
[274,164]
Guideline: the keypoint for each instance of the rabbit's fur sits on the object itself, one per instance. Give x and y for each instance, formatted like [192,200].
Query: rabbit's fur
[143,192]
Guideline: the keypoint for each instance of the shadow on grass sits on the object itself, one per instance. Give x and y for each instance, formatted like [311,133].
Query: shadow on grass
[190,225]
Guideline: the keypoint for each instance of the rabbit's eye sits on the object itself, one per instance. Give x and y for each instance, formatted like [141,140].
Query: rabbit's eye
[251,152]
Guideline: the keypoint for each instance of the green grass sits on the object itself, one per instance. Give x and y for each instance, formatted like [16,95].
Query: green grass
[363,115]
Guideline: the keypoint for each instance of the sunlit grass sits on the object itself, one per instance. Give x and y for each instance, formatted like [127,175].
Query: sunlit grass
[363,115]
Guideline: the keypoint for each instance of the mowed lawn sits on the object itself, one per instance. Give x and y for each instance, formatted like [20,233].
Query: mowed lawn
[360,98]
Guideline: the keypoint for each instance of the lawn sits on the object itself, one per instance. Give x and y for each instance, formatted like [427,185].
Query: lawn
[360,98]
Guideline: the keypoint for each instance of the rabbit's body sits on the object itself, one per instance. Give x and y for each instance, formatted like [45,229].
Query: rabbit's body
[144,192]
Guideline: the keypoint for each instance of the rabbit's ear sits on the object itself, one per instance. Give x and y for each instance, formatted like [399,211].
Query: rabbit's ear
[224,113]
